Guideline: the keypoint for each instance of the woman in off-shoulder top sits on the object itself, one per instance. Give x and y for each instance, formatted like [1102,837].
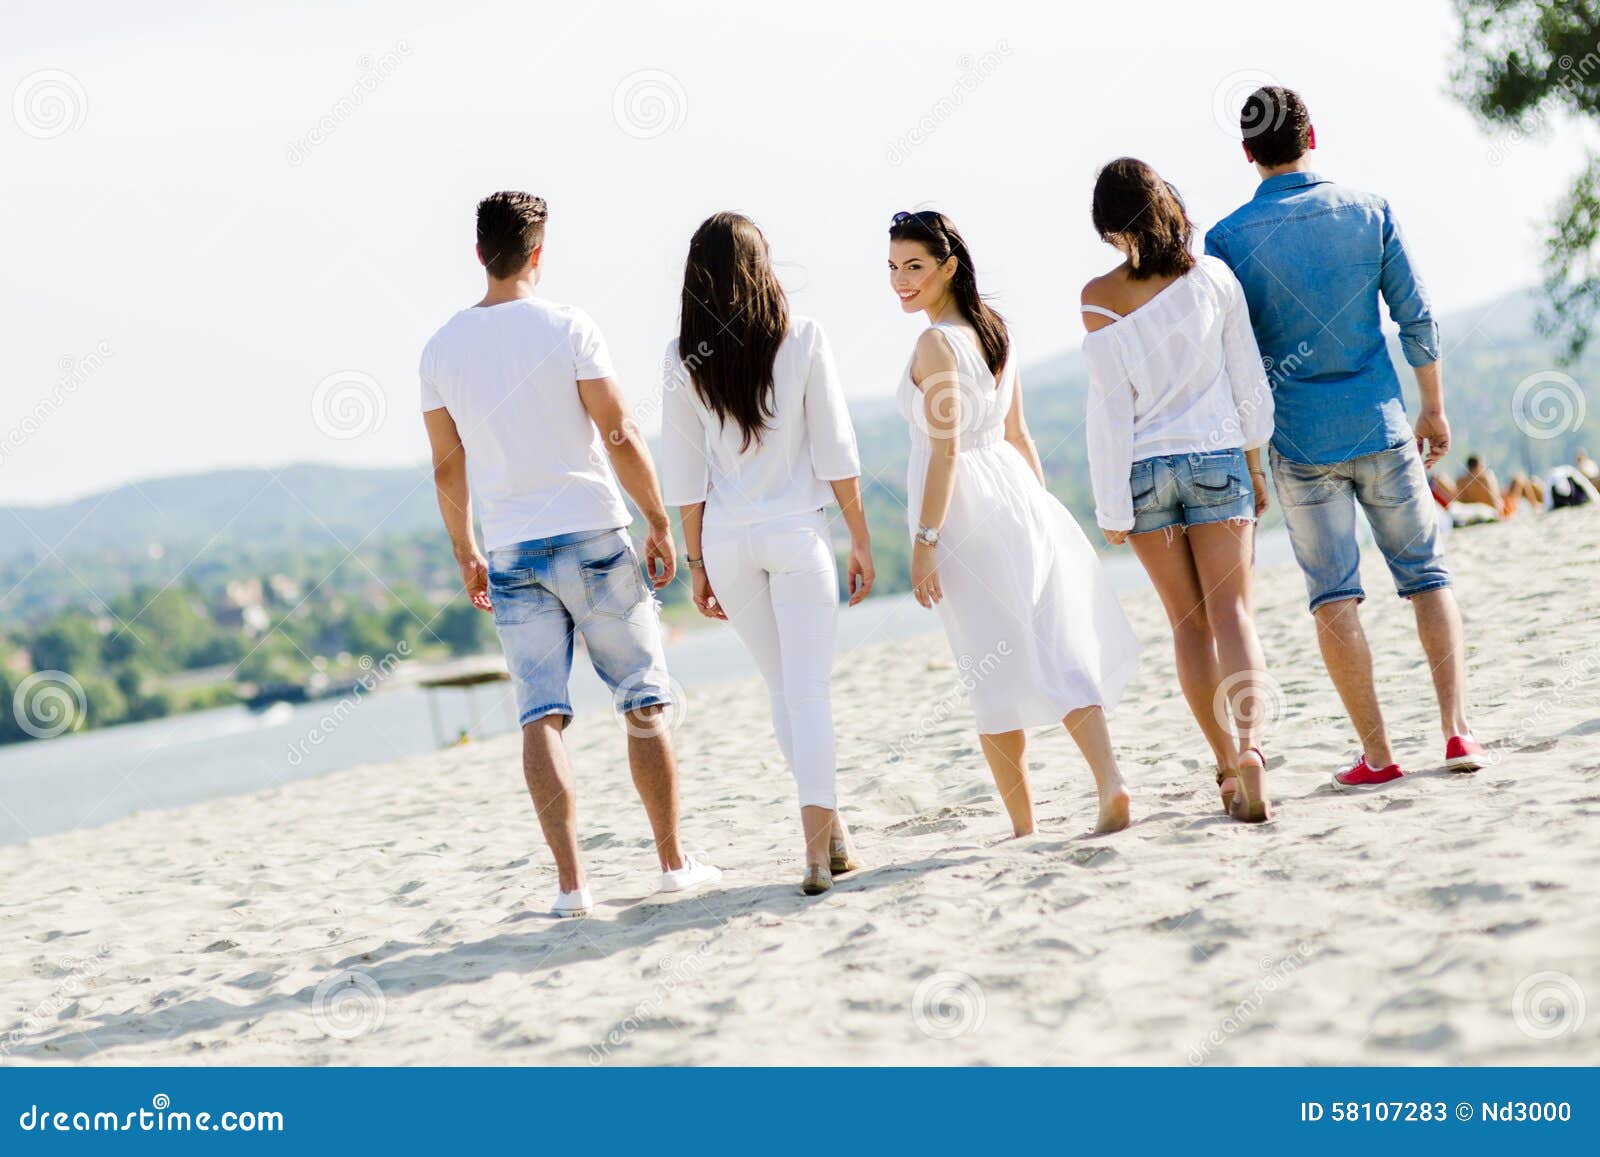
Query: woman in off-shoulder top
[1179,408]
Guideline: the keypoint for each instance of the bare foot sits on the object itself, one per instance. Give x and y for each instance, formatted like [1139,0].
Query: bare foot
[1113,811]
[1022,833]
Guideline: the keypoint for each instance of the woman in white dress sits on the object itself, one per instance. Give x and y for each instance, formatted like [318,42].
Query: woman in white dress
[1179,409]
[1028,611]
[756,440]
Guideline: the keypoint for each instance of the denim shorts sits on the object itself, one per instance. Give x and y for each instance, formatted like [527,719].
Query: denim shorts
[1319,508]
[591,582]
[1190,490]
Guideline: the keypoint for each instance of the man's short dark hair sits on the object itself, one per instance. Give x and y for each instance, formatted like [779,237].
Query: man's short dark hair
[1276,125]
[1473,461]
[510,227]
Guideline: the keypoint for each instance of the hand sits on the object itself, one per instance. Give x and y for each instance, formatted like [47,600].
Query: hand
[704,597]
[925,576]
[660,549]
[1115,537]
[475,578]
[1433,436]
[859,574]
[1258,483]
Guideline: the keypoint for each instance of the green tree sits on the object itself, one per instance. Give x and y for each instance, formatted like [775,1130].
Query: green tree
[1521,63]
[462,627]
[69,643]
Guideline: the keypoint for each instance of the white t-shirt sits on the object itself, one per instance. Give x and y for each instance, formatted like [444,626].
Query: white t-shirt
[808,443]
[509,376]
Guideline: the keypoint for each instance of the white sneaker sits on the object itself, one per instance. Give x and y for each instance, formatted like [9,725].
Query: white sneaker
[693,874]
[573,903]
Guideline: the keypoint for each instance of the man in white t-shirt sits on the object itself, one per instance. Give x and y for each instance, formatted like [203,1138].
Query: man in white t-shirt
[527,422]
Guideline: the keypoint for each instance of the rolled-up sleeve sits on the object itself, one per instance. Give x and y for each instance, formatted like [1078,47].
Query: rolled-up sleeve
[685,467]
[1247,378]
[1109,426]
[833,438]
[1407,298]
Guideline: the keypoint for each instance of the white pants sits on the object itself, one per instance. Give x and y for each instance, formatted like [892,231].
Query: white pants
[778,585]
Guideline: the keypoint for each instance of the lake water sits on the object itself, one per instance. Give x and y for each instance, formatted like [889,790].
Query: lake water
[95,777]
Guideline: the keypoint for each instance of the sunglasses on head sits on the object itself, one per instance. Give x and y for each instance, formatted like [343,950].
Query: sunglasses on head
[925,219]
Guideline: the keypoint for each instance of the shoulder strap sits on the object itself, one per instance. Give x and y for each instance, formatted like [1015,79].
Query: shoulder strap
[1102,311]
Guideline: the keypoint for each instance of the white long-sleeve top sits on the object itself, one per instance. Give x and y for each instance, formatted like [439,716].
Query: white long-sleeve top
[808,443]
[1181,374]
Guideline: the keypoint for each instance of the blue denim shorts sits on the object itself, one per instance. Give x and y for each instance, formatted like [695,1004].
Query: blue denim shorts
[1319,508]
[589,582]
[1190,490]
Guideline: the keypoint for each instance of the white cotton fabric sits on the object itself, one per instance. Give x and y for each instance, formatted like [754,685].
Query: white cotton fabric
[1181,374]
[809,441]
[1030,615]
[509,376]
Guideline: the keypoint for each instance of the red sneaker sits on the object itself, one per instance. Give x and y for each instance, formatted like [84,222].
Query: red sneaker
[1364,775]
[1463,753]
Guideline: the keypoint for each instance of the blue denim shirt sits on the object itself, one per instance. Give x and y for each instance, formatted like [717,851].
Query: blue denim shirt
[1313,258]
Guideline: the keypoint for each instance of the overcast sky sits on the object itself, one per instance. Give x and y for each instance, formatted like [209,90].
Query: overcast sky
[228,230]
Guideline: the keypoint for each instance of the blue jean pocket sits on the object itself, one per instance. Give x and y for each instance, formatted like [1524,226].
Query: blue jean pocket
[514,594]
[1142,482]
[613,584]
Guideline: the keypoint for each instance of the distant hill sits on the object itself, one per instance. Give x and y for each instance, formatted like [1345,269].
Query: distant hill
[211,525]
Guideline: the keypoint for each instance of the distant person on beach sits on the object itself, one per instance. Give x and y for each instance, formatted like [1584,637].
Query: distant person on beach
[1566,487]
[518,395]
[1179,409]
[1523,489]
[1588,467]
[1036,630]
[756,441]
[1315,259]
[1478,485]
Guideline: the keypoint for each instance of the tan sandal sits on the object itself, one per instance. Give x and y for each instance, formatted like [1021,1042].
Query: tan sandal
[1223,776]
[818,880]
[840,860]
[1242,807]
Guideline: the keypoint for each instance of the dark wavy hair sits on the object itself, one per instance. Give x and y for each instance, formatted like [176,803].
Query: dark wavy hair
[938,234]
[1275,125]
[1133,202]
[733,317]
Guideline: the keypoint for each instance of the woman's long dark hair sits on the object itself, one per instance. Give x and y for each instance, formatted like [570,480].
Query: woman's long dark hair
[1132,201]
[938,234]
[733,318]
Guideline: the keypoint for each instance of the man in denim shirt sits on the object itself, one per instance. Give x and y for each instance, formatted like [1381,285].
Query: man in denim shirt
[1314,258]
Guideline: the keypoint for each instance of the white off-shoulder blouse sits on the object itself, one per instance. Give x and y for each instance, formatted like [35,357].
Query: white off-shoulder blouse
[1181,374]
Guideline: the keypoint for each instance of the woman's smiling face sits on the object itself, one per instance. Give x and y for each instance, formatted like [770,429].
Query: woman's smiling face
[916,278]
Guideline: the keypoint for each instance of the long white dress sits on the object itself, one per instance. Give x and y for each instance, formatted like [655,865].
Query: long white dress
[1033,622]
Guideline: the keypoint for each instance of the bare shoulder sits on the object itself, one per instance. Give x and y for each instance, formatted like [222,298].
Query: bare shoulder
[1103,292]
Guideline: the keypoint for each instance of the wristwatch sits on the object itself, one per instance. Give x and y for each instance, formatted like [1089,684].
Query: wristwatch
[927,535]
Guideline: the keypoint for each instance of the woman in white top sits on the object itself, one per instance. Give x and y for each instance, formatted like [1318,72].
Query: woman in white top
[1035,628]
[1179,409]
[756,440]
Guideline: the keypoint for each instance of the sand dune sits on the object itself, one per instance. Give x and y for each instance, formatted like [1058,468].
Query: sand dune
[393,913]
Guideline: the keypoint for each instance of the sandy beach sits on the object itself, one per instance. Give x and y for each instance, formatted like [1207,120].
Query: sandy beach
[394,913]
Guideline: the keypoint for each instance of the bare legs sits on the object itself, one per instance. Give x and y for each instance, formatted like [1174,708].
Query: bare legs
[1349,663]
[549,778]
[1439,628]
[1202,575]
[1006,752]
